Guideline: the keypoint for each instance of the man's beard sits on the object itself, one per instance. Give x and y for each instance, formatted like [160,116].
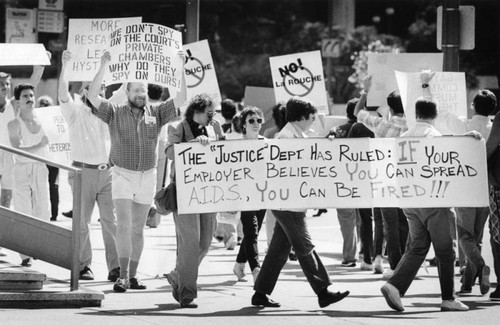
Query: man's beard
[134,103]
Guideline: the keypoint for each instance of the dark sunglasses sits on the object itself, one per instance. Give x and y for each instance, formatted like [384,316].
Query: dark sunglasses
[252,121]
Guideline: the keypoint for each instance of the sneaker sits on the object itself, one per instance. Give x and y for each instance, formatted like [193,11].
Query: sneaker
[86,274]
[231,243]
[114,274]
[366,267]
[121,285]
[453,305]
[255,274]
[388,274]
[378,265]
[136,284]
[485,280]
[495,295]
[26,262]
[239,271]
[348,264]
[392,296]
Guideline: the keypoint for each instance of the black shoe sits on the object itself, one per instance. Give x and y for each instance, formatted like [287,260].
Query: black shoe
[53,219]
[86,274]
[188,303]
[327,298]
[292,256]
[121,285]
[136,284]
[320,212]
[114,274]
[68,214]
[260,299]
[495,295]
[348,264]
[26,262]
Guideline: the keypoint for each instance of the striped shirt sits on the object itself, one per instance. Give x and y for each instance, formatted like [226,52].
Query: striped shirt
[134,138]
[383,128]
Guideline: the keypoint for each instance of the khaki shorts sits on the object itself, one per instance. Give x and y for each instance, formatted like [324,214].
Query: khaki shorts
[6,173]
[140,187]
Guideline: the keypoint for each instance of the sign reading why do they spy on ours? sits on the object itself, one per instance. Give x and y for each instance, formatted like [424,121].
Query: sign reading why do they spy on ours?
[145,53]
[323,173]
[299,75]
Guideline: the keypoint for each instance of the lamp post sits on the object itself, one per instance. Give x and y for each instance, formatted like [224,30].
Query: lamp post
[451,34]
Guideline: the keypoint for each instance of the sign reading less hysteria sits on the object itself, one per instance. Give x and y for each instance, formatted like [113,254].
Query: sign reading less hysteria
[299,75]
[322,173]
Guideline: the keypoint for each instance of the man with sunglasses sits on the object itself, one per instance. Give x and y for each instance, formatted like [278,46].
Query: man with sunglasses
[291,230]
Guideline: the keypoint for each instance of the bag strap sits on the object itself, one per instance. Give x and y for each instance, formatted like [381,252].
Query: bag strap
[183,139]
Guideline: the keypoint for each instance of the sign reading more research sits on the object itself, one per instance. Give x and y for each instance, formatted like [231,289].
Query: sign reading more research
[447,88]
[146,53]
[321,173]
[199,71]
[300,75]
[87,40]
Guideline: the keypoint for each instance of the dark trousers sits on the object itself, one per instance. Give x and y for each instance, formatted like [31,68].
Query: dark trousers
[379,231]
[54,191]
[396,234]
[249,251]
[366,234]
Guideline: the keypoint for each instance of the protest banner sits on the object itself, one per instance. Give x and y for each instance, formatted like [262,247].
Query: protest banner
[87,40]
[146,53]
[447,88]
[199,71]
[381,67]
[56,129]
[321,173]
[23,54]
[300,75]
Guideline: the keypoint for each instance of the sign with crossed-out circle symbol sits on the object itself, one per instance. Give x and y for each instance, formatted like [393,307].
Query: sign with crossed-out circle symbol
[296,83]
[196,72]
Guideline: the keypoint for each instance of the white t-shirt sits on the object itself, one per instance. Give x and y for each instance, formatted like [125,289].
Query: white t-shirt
[5,117]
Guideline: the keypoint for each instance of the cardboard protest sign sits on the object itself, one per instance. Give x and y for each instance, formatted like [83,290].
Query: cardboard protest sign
[299,75]
[87,41]
[199,71]
[56,129]
[263,98]
[447,88]
[146,53]
[23,54]
[381,67]
[320,173]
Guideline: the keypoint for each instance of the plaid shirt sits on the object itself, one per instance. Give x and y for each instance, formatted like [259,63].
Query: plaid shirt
[134,139]
[383,128]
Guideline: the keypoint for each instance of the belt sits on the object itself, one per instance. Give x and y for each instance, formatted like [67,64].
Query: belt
[84,165]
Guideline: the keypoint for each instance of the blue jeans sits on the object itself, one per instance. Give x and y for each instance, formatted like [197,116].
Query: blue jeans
[470,226]
[291,229]
[427,225]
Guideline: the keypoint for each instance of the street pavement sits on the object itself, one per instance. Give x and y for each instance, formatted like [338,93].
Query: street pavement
[223,300]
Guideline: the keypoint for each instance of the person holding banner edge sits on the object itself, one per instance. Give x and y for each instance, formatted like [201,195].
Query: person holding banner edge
[90,152]
[426,225]
[193,231]
[291,230]
[134,128]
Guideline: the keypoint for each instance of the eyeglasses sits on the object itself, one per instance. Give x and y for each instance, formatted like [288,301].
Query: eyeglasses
[252,121]
[210,113]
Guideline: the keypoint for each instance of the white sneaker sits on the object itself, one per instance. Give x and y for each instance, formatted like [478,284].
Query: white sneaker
[255,274]
[388,274]
[453,305]
[366,267]
[392,296]
[378,265]
[239,271]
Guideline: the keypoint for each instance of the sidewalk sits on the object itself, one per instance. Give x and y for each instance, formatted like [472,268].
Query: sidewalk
[222,300]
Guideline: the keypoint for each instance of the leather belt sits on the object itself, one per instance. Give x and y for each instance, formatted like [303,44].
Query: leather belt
[84,165]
